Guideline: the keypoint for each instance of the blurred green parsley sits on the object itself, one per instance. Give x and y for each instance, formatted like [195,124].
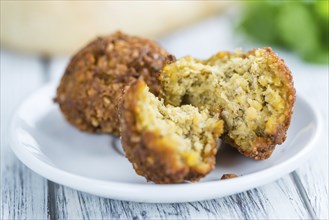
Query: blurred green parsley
[300,26]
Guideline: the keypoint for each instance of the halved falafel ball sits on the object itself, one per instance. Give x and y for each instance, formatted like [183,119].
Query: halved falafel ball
[93,83]
[167,144]
[253,92]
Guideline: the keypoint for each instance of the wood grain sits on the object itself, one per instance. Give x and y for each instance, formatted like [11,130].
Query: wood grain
[312,177]
[277,200]
[23,193]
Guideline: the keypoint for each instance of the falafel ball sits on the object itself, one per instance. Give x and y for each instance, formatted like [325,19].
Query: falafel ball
[93,83]
[167,144]
[253,92]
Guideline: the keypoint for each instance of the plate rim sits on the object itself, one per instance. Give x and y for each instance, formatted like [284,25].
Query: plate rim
[136,192]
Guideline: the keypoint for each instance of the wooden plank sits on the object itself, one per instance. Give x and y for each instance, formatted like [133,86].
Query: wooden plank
[274,201]
[23,193]
[312,178]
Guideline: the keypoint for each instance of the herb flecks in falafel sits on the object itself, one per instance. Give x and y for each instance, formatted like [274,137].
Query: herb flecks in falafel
[253,92]
[167,144]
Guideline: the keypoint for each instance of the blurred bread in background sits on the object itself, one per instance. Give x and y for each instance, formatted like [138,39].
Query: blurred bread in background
[51,28]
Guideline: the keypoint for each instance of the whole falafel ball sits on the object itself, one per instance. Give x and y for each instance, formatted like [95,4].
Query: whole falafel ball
[92,85]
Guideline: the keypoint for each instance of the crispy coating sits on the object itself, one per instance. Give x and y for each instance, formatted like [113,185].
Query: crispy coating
[253,92]
[228,176]
[167,144]
[93,83]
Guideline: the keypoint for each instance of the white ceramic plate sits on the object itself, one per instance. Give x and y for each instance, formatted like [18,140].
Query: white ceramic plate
[46,143]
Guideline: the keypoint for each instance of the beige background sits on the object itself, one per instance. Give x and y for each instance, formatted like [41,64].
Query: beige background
[58,27]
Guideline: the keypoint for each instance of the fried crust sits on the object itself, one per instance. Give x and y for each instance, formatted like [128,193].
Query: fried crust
[92,85]
[152,155]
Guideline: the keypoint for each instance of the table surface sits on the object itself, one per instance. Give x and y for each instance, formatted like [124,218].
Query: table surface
[302,194]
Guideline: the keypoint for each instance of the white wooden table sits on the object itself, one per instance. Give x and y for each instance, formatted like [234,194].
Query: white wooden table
[303,194]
